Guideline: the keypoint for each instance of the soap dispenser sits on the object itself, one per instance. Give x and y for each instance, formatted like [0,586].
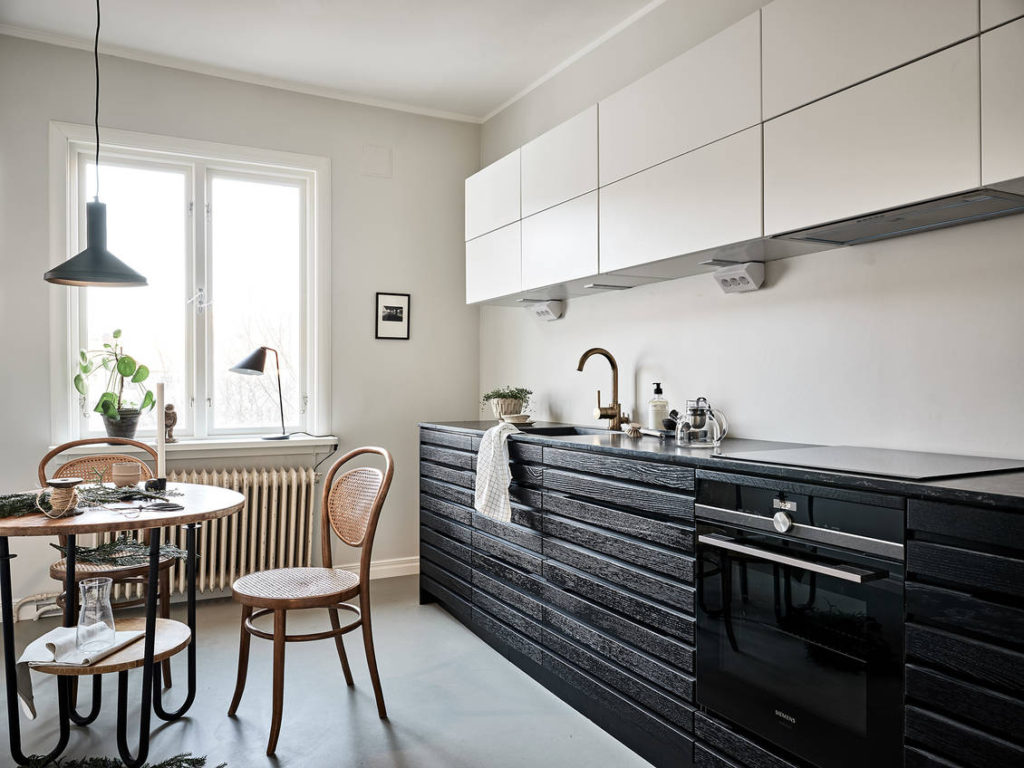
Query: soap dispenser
[657,409]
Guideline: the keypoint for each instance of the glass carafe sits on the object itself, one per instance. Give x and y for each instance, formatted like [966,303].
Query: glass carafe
[95,615]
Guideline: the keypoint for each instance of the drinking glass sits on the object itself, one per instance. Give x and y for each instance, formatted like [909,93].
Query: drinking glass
[96,616]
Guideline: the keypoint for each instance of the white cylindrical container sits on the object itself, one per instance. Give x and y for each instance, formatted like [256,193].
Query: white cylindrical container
[657,409]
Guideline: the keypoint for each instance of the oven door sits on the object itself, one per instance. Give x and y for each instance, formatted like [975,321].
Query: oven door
[802,645]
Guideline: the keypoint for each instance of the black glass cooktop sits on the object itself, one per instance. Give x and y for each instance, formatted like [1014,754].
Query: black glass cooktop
[908,465]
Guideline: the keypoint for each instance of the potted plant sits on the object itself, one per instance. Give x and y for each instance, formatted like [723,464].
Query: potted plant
[120,415]
[506,401]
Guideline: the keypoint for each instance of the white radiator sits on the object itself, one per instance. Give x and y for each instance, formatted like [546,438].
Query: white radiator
[273,530]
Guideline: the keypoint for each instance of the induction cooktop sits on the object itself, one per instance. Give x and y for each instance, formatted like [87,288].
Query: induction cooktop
[907,465]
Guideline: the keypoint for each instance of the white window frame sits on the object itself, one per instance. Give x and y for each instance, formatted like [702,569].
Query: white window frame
[201,161]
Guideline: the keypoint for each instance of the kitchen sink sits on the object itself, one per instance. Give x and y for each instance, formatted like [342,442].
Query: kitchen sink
[563,431]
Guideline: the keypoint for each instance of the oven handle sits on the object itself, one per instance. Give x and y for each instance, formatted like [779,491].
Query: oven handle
[844,572]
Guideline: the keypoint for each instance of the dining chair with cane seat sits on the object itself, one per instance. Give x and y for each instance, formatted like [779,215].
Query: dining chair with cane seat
[99,467]
[351,507]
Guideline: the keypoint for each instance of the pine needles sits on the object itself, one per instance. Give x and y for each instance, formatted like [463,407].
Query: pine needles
[123,550]
[178,761]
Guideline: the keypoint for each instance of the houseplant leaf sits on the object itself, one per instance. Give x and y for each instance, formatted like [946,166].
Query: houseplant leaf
[106,397]
[109,409]
[117,333]
[79,383]
[147,401]
[141,374]
[126,366]
[84,357]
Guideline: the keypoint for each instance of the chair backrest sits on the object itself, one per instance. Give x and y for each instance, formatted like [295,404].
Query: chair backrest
[86,467]
[352,502]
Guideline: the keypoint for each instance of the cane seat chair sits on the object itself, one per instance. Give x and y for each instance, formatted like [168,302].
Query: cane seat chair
[100,467]
[351,506]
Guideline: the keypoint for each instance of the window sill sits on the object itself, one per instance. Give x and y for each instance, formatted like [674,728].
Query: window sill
[223,447]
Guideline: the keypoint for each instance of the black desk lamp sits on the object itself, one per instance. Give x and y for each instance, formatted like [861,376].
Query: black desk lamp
[254,365]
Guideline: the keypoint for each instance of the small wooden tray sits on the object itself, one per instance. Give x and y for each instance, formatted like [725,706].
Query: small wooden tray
[171,637]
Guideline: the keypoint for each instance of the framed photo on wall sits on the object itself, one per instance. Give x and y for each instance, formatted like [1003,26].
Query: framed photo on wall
[393,315]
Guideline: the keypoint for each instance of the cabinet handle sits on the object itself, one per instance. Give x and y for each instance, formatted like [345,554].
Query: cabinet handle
[844,572]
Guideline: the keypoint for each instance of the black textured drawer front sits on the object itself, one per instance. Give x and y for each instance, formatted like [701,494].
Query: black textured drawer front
[670,535]
[668,678]
[513,533]
[705,758]
[734,746]
[997,667]
[963,744]
[526,497]
[503,635]
[460,477]
[616,545]
[502,550]
[446,579]
[986,526]
[518,621]
[674,653]
[451,529]
[524,452]
[521,601]
[917,758]
[527,517]
[447,509]
[461,569]
[668,591]
[609,596]
[495,569]
[636,471]
[447,492]
[620,494]
[448,457]
[962,613]
[461,609]
[965,568]
[462,551]
[458,440]
[528,474]
[968,703]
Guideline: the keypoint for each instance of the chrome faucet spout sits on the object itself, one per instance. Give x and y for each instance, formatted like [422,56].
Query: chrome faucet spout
[612,412]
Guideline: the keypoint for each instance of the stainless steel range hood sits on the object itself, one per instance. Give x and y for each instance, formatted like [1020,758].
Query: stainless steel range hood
[962,208]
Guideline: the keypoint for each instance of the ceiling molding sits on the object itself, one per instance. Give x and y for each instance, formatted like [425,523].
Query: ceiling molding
[596,43]
[173,62]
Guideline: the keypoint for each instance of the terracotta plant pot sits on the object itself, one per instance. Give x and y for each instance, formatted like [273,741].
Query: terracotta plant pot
[504,406]
[125,426]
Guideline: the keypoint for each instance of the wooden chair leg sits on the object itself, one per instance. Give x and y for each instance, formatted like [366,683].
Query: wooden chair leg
[371,658]
[279,643]
[243,661]
[165,613]
[340,643]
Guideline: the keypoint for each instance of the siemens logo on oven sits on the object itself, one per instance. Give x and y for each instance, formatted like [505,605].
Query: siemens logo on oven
[788,718]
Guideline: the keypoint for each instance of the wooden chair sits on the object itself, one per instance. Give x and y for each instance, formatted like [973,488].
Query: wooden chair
[86,468]
[351,507]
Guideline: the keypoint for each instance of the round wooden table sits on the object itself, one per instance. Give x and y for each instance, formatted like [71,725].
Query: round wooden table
[162,639]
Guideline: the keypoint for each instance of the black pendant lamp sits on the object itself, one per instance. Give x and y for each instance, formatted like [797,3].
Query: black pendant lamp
[95,265]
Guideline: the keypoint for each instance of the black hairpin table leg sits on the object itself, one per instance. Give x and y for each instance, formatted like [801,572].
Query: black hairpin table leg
[70,601]
[147,668]
[11,672]
[190,578]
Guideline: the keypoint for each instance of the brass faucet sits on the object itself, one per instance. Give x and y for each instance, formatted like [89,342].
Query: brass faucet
[613,412]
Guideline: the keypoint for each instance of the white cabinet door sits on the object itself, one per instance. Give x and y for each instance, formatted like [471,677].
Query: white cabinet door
[709,92]
[492,196]
[1002,103]
[706,198]
[494,264]
[560,244]
[561,164]
[995,12]
[909,135]
[812,48]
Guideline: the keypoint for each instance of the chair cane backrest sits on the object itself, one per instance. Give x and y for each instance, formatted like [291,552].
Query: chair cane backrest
[86,467]
[352,503]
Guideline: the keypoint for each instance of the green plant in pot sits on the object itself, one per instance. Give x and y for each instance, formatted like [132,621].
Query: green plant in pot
[120,413]
[506,401]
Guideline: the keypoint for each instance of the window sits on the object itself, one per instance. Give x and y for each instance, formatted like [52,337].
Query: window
[229,242]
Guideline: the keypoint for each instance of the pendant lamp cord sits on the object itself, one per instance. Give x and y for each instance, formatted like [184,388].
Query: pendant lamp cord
[96,115]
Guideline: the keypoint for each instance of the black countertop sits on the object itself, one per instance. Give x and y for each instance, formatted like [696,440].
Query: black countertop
[1004,490]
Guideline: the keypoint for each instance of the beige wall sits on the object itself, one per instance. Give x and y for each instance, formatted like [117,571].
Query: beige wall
[911,343]
[401,234]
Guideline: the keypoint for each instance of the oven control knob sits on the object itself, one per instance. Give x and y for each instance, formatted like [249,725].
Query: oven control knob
[782,522]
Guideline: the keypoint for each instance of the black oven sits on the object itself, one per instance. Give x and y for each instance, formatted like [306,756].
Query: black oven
[800,617]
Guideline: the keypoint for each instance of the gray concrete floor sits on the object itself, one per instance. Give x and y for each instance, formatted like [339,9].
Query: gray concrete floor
[453,702]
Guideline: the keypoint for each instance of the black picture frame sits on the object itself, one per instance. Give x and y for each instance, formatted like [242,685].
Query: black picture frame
[392,316]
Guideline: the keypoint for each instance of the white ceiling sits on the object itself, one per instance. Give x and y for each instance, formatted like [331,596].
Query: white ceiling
[459,58]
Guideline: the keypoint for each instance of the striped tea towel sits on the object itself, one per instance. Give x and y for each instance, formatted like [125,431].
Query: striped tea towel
[493,474]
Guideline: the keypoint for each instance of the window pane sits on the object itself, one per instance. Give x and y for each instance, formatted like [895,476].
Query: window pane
[146,228]
[256,257]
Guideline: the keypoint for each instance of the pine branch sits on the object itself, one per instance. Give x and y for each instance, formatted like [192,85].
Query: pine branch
[121,551]
[184,760]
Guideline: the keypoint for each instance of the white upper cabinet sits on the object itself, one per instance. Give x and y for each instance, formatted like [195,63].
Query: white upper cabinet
[561,164]
[1002,103]
[703,199]
[494,264]
[711,91]
[909,135]
[812,48]
[994,12]
[560,244]
[492,196]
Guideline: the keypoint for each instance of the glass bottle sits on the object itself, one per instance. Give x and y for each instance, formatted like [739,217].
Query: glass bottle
[95,616]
